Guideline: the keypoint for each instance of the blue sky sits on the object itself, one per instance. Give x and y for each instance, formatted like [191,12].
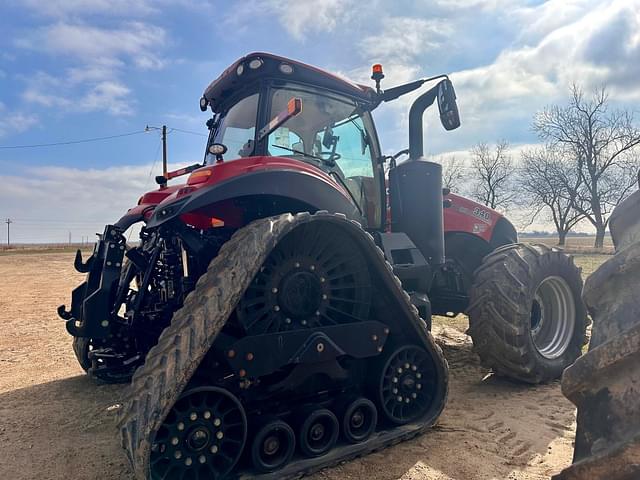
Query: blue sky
[75,69]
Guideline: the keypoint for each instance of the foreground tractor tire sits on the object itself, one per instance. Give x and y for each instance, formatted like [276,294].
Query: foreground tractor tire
[174,425]
[81,348]
[605,383]
[526,317]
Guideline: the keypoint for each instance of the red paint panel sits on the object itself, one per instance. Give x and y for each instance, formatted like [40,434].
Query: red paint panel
[221,172]
[465,215]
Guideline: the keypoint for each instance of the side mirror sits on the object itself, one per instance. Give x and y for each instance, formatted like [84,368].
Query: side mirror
[449,116]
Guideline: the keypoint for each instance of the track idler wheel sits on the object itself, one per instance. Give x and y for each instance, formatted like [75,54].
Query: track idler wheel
[359,420]
[201,438]
[406,384]
[318,432]
[273,446]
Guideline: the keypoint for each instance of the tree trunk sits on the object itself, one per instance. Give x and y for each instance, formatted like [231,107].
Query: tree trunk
[600,232]
[561,238]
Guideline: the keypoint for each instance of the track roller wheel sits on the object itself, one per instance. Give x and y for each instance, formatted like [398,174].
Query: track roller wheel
[201,438]
[359,420]
[273,446]
[318,432]
[406,384]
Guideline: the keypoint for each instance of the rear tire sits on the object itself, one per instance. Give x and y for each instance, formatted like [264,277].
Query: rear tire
[526,317]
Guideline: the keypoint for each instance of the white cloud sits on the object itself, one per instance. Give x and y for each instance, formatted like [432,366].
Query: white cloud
[404,38]
[102,54]
[15,121]
[113,8]
[62,8]
[133,42]
[109,95]
[591,46]
[301,17]
[298,17]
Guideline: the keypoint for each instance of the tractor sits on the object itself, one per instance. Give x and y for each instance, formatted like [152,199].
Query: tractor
[275,316]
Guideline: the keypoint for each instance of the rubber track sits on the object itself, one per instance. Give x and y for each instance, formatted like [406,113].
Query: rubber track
[499,310]
[169,365]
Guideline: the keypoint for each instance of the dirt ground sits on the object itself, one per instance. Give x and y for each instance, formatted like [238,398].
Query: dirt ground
[55,423]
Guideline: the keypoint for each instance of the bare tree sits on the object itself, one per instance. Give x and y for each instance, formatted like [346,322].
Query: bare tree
[602,142]
[492,174]
[546,180]
[453,173]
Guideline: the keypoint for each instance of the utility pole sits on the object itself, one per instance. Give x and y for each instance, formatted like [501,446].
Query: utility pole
[165,168]
[8,221]
[164,151]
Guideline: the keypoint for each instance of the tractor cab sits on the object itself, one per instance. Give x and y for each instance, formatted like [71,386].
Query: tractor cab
[268,106]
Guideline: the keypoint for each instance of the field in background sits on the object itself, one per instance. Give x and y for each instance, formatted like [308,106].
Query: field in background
[574,244]
[31,248]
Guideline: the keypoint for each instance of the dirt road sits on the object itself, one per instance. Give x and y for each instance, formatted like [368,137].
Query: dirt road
[55,423]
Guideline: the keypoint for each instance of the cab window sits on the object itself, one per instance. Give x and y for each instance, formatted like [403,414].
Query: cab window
[237,128]
[331,134]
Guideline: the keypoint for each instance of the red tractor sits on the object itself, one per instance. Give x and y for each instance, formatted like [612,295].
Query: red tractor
[277,309]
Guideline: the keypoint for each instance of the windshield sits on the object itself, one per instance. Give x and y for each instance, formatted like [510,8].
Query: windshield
[330,132]
[237,128]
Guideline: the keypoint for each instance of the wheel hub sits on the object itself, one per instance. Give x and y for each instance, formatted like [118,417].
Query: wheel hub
[198,439]
[300,294]
[357,419]
[271,445]
[317,432]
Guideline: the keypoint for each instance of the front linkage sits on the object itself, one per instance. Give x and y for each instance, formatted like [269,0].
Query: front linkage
[91,313]
[101,343]
[113,324]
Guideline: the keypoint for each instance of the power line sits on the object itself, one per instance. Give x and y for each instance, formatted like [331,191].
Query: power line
[72,142]
[95,139]
[188,131]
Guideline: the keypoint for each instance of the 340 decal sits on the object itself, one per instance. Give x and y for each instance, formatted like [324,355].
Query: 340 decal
[481,213]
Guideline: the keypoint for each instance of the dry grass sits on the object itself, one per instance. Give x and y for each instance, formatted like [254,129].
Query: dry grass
[575,245]
[44,248]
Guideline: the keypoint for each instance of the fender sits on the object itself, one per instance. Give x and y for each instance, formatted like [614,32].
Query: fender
[300,186]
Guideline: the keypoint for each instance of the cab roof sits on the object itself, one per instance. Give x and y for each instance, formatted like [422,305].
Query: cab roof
[266,65]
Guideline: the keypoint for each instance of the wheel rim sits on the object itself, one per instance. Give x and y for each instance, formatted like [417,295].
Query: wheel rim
[553,317]
[315,277]
[406,385]
[273,446]
[359,421]
[201,438]
[318,433]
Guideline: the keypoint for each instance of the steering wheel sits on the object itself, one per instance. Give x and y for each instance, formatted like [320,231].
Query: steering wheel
[333,157]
